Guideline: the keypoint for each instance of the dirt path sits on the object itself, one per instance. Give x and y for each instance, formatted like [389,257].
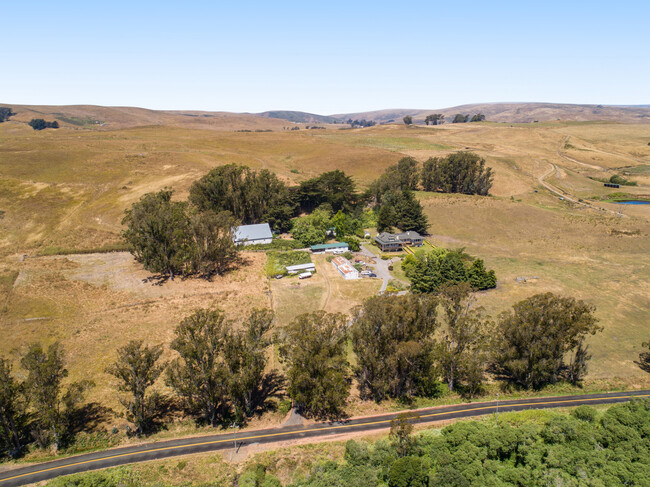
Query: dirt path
[575,161]
[563,194]
[328,292]
[601,151]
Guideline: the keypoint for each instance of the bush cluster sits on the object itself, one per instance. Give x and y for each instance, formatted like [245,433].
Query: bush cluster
[428,271]
[40,124]
[584,448]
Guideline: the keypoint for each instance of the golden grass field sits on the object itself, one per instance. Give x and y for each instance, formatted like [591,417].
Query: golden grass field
[65,190]
[95,303]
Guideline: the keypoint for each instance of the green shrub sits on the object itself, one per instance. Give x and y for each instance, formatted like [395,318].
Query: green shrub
[410,471]
[618,179]
[396,285]
[257,477]
[585,413]
[430,270]
[561,449]
[357,452]
[284,407]
[353,243]
[5,113]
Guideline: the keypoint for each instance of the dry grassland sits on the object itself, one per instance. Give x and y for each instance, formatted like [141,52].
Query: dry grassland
[95,303]
[603,260]
[91,117]
[68,188]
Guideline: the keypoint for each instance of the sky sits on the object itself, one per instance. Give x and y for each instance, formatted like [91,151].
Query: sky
[323,57]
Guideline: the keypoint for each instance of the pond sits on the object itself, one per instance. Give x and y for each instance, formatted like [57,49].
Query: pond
[632,202]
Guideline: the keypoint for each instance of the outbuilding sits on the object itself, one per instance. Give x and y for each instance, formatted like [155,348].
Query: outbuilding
[295,269]
[253,234]
[334,248]
[345,268]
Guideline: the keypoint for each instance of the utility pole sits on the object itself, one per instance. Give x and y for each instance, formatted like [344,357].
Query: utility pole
[497,413]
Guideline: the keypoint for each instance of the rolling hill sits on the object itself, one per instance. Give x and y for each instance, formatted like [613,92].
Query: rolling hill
[300,117]
[92,116]
[100,117]
[517,113]
[63,194]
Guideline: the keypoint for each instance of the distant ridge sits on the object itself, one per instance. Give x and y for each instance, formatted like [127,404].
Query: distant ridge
[299,117]
[516,113]
[496,112]
[100,117]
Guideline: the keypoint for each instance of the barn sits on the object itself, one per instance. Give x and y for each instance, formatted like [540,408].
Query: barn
[253,234]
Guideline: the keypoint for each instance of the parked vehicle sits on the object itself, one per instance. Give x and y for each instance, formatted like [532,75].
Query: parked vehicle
[304,275]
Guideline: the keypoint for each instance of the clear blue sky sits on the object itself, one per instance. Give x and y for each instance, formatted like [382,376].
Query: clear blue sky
[323,56]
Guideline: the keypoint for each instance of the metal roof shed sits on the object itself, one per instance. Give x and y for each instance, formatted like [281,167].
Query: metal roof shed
[253,234]
[330,247]
[293,269]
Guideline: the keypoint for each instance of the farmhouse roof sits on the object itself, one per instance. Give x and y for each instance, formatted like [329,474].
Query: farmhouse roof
[259,231]
[410,235]
[386,237]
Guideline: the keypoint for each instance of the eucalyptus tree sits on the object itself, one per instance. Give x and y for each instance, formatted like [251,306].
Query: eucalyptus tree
[137,368]
[393,338]
[313,348]
[533,341]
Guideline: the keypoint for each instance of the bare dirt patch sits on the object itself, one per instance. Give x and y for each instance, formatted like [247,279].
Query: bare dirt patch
[95,303]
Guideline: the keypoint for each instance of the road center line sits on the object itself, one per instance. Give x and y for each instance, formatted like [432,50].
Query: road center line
[325,429]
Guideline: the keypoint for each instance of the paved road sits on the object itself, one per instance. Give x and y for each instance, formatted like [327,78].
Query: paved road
[165,449]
